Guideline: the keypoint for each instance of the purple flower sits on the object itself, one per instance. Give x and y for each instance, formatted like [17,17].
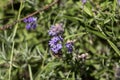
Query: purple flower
[33,25]
[84,1]
[30,19]
[52,31]
[28,26]
[30,23]
[69,46]
[56,48]
[55,30]
[119,2]
[55,45]
[54,41]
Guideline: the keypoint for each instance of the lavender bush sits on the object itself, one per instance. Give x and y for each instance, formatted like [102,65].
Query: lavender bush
[59,40]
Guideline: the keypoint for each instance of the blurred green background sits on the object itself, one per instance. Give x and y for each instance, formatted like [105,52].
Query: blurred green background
[25,55]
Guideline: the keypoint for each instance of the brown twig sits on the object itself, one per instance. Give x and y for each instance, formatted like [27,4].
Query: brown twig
[38,11]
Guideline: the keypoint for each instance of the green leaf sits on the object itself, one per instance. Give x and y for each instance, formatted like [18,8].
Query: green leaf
[99,34]
[104,37]
[61,74]
[88,11]
[114,47]
[114,5]
[75,35]
[50,66]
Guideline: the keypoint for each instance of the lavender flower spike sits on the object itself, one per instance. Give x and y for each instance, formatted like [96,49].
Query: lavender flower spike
[54,45]
[31,23]
[56,48]
[54,41]
[30,20]
[69,46]
[55,30]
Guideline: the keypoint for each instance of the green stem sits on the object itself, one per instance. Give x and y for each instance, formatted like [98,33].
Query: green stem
[110,42]
[14,33]
[75,35]
[16,26]
[11,58]
[30,72]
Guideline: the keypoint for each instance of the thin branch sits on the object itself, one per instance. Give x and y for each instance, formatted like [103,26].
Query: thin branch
[36,12]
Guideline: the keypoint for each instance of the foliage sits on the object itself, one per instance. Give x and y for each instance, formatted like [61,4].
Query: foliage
[94,26]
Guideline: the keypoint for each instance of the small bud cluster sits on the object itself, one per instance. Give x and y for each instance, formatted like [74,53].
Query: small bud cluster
[84,1]
[83,56]
[69,46]
[118,2]
[55,44]
[31,22]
